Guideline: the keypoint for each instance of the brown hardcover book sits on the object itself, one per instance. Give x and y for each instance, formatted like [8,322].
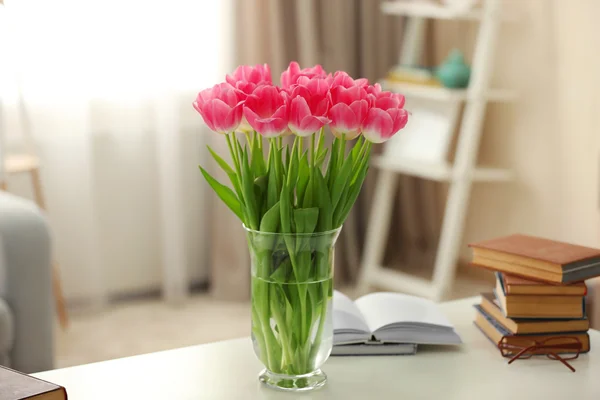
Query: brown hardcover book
[15,385]
[537,258]
[496,332]
[529,326]
[517,285]
[530,306]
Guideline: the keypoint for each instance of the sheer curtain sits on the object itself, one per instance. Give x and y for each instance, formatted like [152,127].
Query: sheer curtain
[108,86]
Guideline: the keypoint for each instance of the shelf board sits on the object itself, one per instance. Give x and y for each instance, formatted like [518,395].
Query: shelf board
[404,279]
[388,279]
[440,172]
[442,93]
[427,10]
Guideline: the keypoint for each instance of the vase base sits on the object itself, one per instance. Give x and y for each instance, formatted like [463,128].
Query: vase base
[293,383]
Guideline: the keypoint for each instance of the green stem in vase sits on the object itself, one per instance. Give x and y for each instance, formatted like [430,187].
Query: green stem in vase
[312,150]
[233,153]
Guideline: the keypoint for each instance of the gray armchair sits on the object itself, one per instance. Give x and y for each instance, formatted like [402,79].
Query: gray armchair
[26,306]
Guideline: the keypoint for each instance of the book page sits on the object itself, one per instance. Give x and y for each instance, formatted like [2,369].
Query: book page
[382,309]
[346,316]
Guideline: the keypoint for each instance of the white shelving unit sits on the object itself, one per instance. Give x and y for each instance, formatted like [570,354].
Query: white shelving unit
[429,9]
[439,172]
[460,175]
[426,10]
[444,94]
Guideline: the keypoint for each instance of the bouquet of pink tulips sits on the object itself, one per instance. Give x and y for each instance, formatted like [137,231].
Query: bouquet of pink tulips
[308,101]
[302,186]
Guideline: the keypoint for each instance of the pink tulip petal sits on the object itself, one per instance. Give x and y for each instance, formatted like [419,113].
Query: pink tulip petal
[385,103]
[301,91]
[318,86]
[254,76]
[302,80]
[360,109]
[251,117]
[244,89]
[323,120]
[267,74]
[289,76]
[220,112]
[271,127]
[208,121]
[231,97]
[229,124]
[235,117]
[266,110]
[378,125]
[362,82]
[197,106]
[399,117]
[309,125]
[282,113]
[258,74]
[264,101]
[374,89]
[401,100]
[230,79]
[319,105]
[317,71]
[298,111]
[207,115]
[341,78]
[205,95]
[343,119]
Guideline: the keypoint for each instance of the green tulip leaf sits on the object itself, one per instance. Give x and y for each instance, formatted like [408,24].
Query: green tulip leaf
[341,181]
[258,161]
[270,221]
[225,194]
[321,157]
[248,190]
[330,176]
[306,219]
[222,163]
[341,213]
[272,192]
[303,177]
[323,200]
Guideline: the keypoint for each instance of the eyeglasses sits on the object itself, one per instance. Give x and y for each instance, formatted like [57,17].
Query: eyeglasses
[551,347]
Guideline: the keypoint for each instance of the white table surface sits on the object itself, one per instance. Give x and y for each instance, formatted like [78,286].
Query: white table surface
[229,370]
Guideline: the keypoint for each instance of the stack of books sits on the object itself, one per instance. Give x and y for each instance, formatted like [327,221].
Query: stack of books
[540,291]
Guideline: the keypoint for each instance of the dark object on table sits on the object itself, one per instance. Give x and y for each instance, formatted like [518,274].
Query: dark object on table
[15,385]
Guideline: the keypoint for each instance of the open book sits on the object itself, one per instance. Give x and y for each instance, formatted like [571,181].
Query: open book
[381,318]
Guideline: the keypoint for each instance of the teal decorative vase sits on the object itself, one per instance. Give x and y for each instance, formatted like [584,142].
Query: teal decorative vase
[454,73]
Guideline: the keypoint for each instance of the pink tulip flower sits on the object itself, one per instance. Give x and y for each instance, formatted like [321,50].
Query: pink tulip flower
[246,78]
[258,75]
[385,118]
[349,110]
[220,107]
[375,92]
[374,89]
[266,110]
[290,76]
[310,101]
[341,78]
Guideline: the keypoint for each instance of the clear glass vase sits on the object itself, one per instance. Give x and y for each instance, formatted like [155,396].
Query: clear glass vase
[292,293]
